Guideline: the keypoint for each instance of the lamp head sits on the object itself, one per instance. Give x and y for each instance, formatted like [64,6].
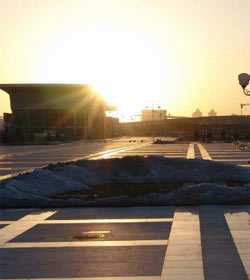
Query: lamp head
[244,79]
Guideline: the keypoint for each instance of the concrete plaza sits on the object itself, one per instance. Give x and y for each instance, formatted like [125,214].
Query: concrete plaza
[15,159]
[209,242]
[141,243]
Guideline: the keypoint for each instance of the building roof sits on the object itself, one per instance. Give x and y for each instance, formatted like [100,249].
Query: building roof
[52,96]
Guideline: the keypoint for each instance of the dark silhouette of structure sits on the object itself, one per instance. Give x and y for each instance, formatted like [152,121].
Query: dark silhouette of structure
[70,110]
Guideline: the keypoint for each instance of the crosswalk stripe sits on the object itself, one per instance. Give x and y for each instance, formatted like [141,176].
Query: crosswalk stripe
[238,224]
[27,222]
[190,153]
[85,244]
[204,152]
[107,221]
[183,260]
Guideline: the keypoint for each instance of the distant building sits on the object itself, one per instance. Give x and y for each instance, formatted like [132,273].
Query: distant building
[149,115]
[197,114]
[72,110]
[212,113]
[112,127]
[202,129]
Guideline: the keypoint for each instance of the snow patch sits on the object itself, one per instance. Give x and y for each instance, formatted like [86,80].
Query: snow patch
[36,188]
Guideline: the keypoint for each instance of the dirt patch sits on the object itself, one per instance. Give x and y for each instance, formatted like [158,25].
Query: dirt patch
[119,189]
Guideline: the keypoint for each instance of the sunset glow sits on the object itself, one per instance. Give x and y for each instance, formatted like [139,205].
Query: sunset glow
[180,55]
[127,70]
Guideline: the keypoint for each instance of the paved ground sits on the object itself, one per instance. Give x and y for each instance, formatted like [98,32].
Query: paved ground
[141,243]
[15,159]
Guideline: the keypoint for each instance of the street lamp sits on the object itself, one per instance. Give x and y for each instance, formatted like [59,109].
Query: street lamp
[159,107]
[244,79]
[152,121]
[168,124]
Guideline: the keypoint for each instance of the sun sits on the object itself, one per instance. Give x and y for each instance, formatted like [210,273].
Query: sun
[123,66]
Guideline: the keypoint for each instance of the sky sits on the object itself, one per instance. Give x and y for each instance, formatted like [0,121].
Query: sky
[180,55]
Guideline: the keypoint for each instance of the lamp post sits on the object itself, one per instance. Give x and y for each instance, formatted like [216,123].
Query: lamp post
[153,129]
[159,107]
[244,79]
[168,125]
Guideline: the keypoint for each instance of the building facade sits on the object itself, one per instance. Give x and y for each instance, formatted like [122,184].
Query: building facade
[71,110]
[202,128]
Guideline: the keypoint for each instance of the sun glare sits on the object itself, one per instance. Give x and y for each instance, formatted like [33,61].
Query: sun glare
[126,69]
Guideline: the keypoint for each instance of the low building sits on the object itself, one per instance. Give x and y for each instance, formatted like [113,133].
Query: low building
[203,128]
[71,110]
[112,127]
[212,113]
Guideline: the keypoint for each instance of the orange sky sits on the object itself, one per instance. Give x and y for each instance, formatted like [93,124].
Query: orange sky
[180,55]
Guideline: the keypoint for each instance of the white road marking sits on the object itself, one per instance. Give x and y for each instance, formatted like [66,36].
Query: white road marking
[18,227]
[6,222]
[108,154]
[190,153]
[204,152]
[231,159]
[107,221]
[238,223]
[183,259]
[85,244]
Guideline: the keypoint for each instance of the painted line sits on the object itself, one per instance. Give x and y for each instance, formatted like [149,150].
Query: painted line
[190,152]
[108,154]
[183,259]
[231,159]
[6,222]
[9,168]
[238,223]
[220,257]
[85,244]
[107,221]
[20,226]
[95,278]
[204,152]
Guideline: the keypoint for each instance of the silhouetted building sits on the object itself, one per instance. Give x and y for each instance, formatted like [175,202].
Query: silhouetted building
[112,127]
[204,128]
[72,110]
[197,114]
[212,113]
